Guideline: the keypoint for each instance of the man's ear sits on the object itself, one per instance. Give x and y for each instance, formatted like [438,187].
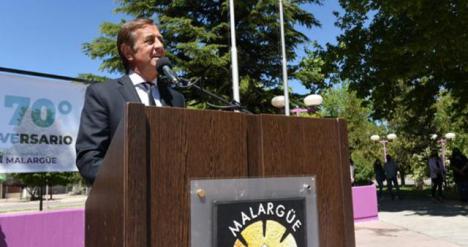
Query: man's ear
[127,51]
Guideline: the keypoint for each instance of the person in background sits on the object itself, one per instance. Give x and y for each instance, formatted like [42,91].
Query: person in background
[379,176]
[437,172]
[459,165]
[391,171]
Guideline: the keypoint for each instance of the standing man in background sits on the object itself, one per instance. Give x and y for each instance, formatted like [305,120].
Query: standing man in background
[437,171]
[459,164]
[379,176]
[140,46]
[391,171]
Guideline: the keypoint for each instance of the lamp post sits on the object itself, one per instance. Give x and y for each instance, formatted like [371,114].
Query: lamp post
[235,69]
[310,101]
[390,137]
[443,143]
[284,61]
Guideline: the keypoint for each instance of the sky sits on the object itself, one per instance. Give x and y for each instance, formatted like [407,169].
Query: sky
[47,36]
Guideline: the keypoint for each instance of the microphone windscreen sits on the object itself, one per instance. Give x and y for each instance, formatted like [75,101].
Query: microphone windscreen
[163,61]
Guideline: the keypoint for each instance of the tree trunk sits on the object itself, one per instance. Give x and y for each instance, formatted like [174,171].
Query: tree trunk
[50,192]
[40,197]
[402,178]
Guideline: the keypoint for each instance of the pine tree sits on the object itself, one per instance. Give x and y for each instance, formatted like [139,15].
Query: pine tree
[197,40]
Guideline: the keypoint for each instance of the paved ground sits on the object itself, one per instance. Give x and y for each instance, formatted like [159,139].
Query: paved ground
[412,222]
[416,222]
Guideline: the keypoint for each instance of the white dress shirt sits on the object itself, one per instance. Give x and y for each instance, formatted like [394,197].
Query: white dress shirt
[137,81]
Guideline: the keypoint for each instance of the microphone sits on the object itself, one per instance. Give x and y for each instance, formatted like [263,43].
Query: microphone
[164,67]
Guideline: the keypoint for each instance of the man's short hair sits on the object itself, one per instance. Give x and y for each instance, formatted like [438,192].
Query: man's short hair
[127,36]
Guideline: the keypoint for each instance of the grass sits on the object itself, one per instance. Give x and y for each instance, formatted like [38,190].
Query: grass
[410,191]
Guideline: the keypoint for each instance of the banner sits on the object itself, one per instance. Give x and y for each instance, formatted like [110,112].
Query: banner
[39,123]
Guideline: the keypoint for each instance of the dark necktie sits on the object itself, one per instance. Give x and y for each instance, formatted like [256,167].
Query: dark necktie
[148,86]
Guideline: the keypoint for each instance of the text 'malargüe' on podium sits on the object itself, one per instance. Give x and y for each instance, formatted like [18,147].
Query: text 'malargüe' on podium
[141,194]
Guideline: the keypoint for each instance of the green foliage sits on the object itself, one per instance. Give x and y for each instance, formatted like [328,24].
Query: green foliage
[363,171]
[92,78]
[197,40]
[310,69]
[342,102]
[400,66]
[35,180]
[403,52]
[447,119]
[419,167]
[105,48]
[407,59]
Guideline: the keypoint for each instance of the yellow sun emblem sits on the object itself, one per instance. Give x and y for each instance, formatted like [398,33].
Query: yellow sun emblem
[253,236]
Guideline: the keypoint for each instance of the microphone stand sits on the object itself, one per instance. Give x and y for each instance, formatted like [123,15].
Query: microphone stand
[229,105]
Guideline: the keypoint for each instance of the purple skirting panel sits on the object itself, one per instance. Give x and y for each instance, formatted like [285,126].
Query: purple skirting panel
[65,228]
[365,203]
[51,229]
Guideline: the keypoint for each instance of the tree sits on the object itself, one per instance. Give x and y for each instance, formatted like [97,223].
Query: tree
[310,70]
[447,119]
[198,42]
[342,102]
[412,49]
[414,129]
[36,181]
[92,77]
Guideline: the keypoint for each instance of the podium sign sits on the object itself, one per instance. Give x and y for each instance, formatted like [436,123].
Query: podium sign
[254,212]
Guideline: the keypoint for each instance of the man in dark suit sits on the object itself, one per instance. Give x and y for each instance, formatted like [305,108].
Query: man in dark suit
[140,46]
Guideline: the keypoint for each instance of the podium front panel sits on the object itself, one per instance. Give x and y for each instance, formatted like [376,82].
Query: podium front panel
[190,144]
[141,196]
[279,211]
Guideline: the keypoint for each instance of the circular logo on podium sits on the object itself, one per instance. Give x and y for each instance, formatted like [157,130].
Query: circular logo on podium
[260,223]
[273,234]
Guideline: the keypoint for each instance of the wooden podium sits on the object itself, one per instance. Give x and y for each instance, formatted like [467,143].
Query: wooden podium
[140,196]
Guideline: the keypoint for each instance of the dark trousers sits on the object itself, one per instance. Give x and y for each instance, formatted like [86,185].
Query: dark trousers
[380,185]
[393,182]
[437,185]
[463,190]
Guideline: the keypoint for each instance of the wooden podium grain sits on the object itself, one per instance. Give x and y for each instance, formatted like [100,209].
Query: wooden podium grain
[141,194]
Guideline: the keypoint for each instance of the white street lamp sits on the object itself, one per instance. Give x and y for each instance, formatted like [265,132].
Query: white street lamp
[311,101]
[278,101]
[390,137]
[450,136]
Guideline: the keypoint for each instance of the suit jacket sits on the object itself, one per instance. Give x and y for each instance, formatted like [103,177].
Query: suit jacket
[103,109]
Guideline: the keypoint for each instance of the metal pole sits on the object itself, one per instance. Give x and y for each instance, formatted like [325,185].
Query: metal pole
[41,190]
[285,68]
[46,196]
[442,147]
[235,70]
[384,150]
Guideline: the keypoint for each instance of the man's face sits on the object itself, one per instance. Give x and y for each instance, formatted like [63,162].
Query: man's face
[147,50]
